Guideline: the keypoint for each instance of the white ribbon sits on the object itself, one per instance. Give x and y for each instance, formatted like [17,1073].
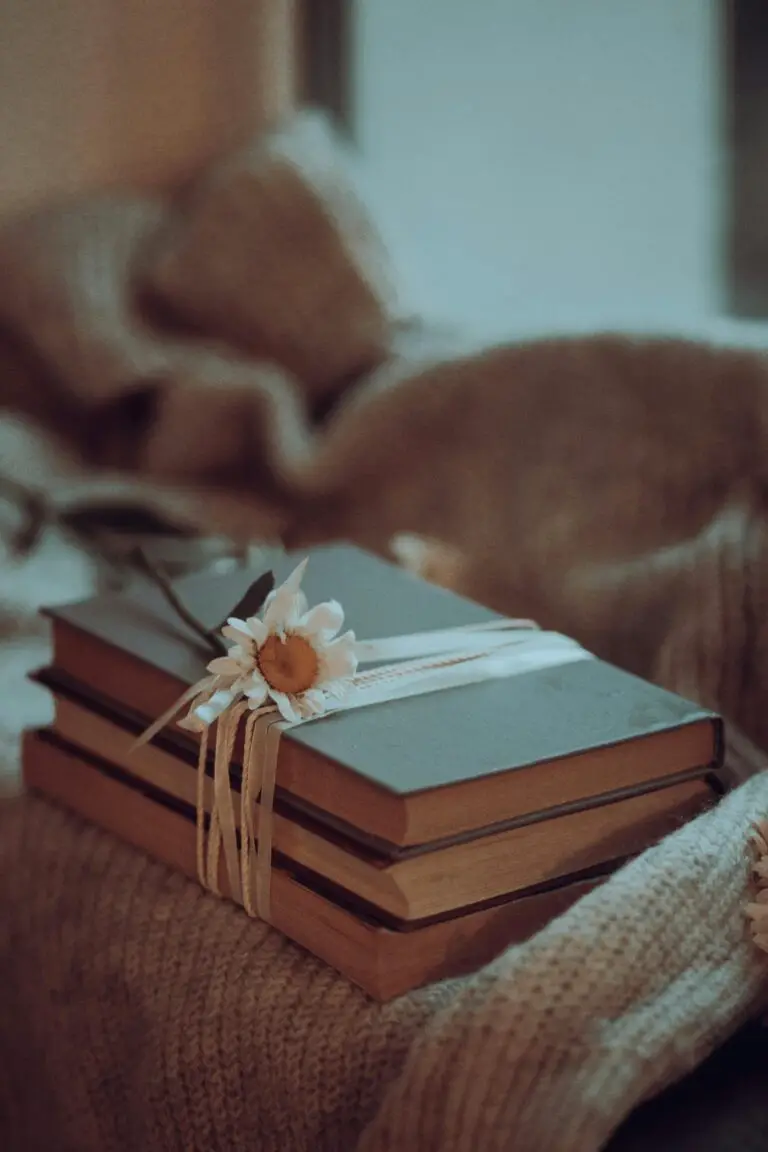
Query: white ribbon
[415,665]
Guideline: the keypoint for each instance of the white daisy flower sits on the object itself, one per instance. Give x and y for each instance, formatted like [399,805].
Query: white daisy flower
[293,656]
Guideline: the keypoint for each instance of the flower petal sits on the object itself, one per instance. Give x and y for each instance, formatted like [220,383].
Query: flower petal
[237,629]
[242,657]
[254,703]
[284,606]
[338,660]
[314,703]
[293,583]
[225,666]
[323,621]
[335,691]
[286,706]
[257,629]
[276,607]
[255,688]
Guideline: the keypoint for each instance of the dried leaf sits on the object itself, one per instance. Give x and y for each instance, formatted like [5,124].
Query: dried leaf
[253,600]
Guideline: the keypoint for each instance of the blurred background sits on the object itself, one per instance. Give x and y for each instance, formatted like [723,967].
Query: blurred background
[550,165]
[538,165]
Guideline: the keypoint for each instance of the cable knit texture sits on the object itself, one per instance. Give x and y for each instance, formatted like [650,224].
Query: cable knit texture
[140,1012]
[560,1038]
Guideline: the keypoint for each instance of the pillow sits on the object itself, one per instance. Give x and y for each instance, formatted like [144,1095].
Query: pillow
[275,252]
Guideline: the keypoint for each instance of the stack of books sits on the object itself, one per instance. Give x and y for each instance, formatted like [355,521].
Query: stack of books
[414,839]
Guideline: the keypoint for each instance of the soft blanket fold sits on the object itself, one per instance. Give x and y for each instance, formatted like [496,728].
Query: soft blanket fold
[139,1011]
[554,1043]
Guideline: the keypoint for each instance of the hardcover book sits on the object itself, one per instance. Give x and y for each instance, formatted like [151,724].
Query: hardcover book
[413,771]
[384,960]
[408,840]
[402,887]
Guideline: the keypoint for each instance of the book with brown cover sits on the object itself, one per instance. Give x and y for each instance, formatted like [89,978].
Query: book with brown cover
[416,884]
[418,771]
[385,961]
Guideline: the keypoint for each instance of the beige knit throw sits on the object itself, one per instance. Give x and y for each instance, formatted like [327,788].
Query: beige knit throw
[139,1012]
[757,909]
[550,1047]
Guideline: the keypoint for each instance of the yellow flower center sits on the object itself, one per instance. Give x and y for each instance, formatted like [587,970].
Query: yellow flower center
[288,663]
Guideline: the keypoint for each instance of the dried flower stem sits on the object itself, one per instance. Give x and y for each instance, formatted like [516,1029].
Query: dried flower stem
[40,512]
[209,637]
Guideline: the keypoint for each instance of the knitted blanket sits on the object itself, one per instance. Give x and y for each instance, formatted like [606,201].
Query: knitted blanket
[140,1012]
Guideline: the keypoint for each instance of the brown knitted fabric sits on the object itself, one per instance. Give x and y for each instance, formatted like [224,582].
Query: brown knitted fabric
[551,1045]
[277,254]
[79,352]
[66,292]
[133,326]
[141,1013]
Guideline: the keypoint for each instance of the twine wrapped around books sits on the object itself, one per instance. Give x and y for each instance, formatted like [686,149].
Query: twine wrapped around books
[407,666]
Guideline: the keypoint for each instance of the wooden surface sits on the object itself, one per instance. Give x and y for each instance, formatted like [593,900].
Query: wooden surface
[102,92]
